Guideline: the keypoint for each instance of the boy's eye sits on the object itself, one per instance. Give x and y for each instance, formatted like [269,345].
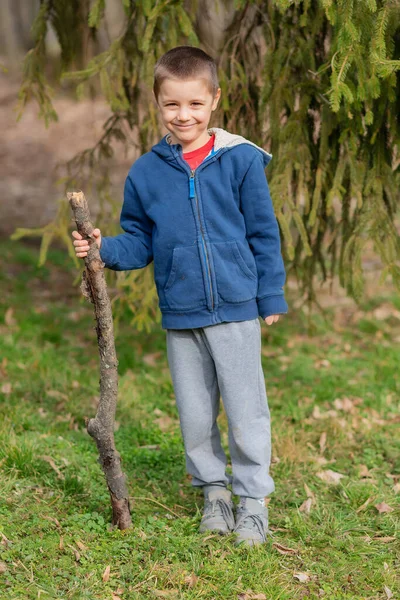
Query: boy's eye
[174,104]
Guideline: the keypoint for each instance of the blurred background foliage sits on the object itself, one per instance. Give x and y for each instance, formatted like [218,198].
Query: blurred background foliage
[315,82]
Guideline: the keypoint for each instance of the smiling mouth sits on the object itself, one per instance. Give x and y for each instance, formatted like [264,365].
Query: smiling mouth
[184,126]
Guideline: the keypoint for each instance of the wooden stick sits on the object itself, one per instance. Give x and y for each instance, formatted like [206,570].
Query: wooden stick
[101,428]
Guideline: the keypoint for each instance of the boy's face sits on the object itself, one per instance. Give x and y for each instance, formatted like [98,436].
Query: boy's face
[186,108]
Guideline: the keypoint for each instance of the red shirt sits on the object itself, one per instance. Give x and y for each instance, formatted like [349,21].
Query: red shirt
[196,157]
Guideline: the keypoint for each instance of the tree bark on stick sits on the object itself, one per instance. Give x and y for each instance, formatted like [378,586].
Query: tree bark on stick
[101,428]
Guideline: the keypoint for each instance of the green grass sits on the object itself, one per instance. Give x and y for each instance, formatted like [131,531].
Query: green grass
[55,538]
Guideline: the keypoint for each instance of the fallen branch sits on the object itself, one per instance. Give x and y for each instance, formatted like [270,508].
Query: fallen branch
[101,428]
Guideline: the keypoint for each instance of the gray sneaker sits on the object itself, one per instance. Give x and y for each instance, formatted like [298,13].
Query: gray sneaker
[251,522]
[218,510]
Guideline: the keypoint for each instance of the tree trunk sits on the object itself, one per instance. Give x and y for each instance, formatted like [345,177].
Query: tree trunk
[213,18]
[101,428]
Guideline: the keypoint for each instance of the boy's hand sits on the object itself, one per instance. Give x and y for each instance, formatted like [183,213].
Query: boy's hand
[82,246]
[271,319]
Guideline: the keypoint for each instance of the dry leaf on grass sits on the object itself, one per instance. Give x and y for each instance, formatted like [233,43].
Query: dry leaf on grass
[283,550]
[74,316]
[106,574]
[306,506]
[302,577]
[5,541]
[165,423]
[191,580]
[151,359]
[3,567]
[9,317]
[81,546]
[249,595]
[310,494]
[6,388]
[317,414]
[322,442]
[115,596]
[396,488]
[344,404]
[384,312]
[3,368]
[165,593]
[54,520]
[382,507]
[324,363]
[331,477]
[75,551]
[321,460]
[285,359]
[364,471]
[385,539]
[56,394]
[388,592]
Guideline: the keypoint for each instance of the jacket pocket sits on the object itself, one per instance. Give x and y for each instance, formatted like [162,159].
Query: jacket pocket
[236,281]
[184,288]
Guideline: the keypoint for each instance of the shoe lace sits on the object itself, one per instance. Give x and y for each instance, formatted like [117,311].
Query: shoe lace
[254,521]
[225,509]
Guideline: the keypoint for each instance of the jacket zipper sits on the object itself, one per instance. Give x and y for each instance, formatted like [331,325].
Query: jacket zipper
[194,195]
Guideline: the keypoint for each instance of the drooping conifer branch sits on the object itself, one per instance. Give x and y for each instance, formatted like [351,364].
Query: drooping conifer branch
[101,428]
[315,83]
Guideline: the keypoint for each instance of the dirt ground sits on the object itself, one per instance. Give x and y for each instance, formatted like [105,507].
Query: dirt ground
[30,153]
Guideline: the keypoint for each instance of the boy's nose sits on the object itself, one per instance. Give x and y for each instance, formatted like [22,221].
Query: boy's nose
[183,114]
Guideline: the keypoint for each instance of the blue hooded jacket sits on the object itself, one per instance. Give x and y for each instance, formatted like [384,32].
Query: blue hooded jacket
[212,233]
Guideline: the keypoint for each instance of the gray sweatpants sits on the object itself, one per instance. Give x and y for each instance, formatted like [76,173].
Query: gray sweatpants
[207,362]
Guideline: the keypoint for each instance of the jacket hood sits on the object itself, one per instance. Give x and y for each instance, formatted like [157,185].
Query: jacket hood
[223,140]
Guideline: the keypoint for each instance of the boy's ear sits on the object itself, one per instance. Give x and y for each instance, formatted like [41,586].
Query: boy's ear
[216,99]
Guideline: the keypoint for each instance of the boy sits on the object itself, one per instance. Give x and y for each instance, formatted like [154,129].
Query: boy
[198,204]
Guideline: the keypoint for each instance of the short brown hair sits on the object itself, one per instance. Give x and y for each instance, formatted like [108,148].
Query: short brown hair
[185,62]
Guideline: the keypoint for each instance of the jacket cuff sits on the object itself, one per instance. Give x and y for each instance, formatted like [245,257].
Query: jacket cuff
[272,305]
[106,253]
